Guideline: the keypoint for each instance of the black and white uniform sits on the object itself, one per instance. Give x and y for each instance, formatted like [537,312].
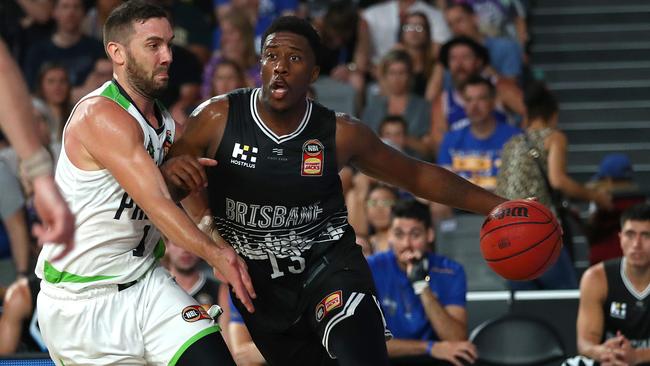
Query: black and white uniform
[626,309]
[278,201]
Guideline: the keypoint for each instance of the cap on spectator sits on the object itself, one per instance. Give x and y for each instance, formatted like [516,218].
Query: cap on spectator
[615,166]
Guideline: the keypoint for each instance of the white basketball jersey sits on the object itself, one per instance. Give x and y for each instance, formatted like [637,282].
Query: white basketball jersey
[115,242]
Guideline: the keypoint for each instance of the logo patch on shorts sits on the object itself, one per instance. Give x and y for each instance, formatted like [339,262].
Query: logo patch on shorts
[193,313]
[329,303]
[312,158]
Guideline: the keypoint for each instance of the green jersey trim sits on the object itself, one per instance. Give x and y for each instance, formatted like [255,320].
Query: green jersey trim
[53,275]
[213,329]
[160,249]
[112,92]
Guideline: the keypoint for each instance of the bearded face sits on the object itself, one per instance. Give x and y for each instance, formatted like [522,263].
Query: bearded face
[150,83]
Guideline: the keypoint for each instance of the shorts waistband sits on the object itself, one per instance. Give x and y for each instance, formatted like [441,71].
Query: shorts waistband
[66,294]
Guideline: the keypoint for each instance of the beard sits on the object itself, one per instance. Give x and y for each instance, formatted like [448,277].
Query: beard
[138,77]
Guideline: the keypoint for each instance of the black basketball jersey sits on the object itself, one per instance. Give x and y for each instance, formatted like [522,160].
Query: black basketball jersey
[277,199]
[626,309]
[205,291]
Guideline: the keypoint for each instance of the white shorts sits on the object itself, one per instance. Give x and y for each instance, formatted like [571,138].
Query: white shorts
[150,323]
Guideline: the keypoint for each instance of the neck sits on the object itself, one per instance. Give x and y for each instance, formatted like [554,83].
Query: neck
[144,103]
[185,279]
[484,128]
[65,39]
[281,122]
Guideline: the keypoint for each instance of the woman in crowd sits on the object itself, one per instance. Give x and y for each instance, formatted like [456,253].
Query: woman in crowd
[53,87]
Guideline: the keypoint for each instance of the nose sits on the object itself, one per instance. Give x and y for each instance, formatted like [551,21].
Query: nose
[281,66]
[166,56]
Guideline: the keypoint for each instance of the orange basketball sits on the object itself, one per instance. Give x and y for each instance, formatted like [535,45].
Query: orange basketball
[520,239]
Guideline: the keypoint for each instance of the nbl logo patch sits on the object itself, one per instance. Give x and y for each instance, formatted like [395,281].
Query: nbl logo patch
[328,304]
[313,156]
[618,310]
[193,313]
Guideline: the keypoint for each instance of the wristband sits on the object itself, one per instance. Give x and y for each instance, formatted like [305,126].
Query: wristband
[420,286]
[430,347]
[38,164]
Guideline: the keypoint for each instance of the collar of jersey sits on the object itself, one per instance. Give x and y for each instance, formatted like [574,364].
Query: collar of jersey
[267,131]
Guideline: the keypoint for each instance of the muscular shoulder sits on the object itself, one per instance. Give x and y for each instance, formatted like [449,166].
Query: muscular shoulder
[213,108]
[97,111]
[594,282]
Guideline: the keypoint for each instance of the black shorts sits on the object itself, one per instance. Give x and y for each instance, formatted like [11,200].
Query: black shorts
[340,322]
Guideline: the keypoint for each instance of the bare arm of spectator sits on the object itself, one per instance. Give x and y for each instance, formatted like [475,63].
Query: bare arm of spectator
[434,84]
[39,10]
[18,234]
[244,351]
[17,307]
[356,203]
[559,179]
[362,60]
[509,94]
[449,322]
[438,121]
[57,223]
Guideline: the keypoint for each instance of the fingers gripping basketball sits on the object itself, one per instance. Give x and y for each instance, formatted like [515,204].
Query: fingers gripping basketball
[521,239]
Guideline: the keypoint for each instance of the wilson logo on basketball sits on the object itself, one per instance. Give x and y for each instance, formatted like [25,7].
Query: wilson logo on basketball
[193,313]
[504,243]
[512,212]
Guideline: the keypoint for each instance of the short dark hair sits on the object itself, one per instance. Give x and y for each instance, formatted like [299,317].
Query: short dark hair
[540,102]
[479,51]
[119,24]
[639,212]
[393,118]
[412,209]
[299,26]
[479,80]
[465,7]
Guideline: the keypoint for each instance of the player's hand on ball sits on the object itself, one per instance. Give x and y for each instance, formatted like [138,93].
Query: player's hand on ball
[455,352]
[187,172]
[230,268]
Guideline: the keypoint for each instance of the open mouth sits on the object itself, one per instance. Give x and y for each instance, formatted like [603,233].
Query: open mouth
[279,88]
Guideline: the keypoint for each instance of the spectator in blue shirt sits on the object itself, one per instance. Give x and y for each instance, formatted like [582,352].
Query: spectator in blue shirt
[474,152]
[422,294]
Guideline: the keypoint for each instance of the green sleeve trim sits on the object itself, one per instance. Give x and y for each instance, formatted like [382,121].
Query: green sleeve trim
[213,329]
[53,275]
[112,92]
[159,250]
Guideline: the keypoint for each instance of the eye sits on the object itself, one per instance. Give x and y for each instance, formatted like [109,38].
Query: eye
[295,58]
[270,56]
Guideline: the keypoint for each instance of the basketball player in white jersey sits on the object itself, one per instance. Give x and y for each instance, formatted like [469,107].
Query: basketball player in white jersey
[109,301]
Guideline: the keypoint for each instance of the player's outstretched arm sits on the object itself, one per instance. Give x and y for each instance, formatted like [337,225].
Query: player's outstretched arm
[17,122]
[184,170]
[136,172]
[357,144]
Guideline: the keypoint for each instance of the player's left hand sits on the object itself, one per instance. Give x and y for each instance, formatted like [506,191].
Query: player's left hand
[231,269]
[187,172]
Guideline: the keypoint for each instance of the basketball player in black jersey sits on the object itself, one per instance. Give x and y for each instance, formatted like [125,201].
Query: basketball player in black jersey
[614,313]
[276,197]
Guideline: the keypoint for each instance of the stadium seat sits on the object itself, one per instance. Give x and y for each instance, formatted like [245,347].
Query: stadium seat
[516,340]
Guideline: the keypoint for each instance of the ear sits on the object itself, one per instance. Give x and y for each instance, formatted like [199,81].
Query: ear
[431,235]
[116,53]
[315,71]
